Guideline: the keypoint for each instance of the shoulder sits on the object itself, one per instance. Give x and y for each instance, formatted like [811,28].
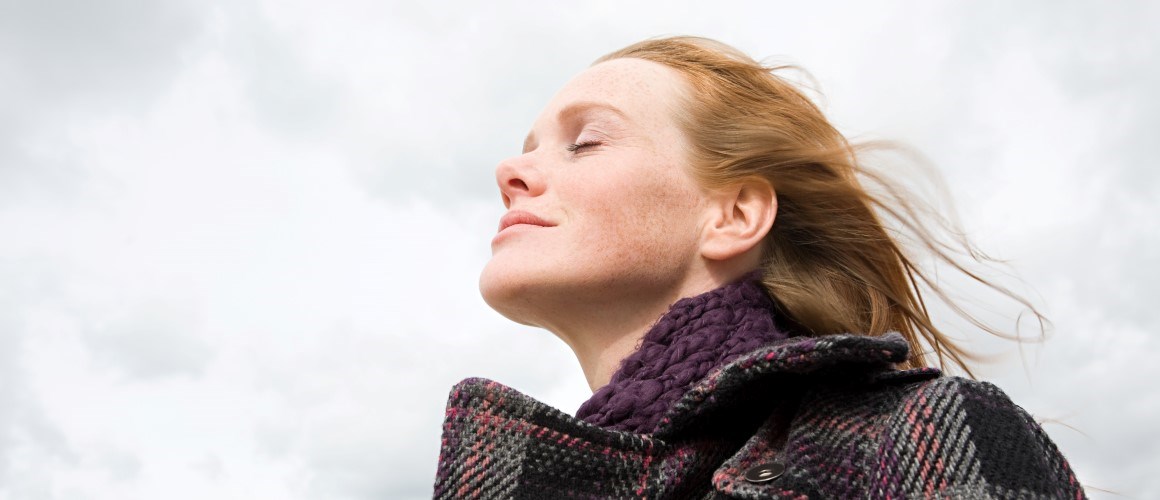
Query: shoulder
[950,435]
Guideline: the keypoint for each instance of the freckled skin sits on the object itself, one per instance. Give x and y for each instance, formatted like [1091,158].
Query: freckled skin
[628,217]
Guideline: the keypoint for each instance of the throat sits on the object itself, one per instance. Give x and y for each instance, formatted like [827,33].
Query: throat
[696,335]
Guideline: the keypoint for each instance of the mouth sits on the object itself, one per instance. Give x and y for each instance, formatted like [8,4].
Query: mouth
[517,217]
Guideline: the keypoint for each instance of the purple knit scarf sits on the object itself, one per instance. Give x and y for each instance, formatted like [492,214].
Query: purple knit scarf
[696,335]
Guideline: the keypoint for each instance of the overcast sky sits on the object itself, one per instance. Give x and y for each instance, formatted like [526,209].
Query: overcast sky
[240,241]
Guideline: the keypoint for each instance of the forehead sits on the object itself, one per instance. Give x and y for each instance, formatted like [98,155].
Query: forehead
[625,78]
[643,91]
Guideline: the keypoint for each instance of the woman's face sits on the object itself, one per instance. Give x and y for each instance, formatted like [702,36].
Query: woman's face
[601,208]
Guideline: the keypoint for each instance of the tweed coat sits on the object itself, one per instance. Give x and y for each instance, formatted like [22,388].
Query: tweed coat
[808,417]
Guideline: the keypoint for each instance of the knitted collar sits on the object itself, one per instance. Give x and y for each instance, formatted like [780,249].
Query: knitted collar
[695,336]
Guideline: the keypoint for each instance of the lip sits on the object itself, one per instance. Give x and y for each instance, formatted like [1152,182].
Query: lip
[517,217]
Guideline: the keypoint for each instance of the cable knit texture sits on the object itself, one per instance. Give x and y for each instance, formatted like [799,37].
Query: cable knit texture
[697,335]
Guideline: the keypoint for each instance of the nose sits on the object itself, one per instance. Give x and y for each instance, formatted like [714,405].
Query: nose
[518,178]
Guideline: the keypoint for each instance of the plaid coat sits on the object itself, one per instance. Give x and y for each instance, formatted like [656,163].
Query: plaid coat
[820,417]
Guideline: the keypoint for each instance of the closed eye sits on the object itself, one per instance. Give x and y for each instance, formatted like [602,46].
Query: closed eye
[581,146]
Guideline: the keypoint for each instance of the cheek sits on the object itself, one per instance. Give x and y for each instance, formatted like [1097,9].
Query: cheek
[643,222]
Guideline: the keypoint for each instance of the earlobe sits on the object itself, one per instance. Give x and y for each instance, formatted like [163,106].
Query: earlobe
[741,217]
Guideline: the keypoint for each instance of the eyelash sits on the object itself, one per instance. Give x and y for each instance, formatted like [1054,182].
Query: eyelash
[573,148]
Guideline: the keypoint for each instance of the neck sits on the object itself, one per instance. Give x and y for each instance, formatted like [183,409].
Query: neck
[693,337]
[604,330]
[599,362]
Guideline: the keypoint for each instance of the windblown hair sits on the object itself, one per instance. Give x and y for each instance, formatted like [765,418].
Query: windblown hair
[830,264]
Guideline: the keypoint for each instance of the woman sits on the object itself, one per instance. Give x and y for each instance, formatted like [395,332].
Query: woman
[679,179]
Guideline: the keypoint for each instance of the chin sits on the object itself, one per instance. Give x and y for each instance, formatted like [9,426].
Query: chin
[507,291]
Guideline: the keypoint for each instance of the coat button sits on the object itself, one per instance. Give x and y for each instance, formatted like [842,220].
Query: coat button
[765,473]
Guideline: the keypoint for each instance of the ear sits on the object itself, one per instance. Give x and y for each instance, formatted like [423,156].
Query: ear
[739,219]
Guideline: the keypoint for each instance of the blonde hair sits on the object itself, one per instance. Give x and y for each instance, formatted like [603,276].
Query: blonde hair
[830,264]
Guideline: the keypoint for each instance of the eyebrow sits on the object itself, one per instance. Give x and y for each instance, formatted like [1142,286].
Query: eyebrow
[574,109]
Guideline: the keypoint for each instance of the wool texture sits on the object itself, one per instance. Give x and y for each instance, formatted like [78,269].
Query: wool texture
[716,393]
[696,335]
[840,422]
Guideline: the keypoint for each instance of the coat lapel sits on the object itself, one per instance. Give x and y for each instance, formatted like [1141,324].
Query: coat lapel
[499,443]
[754,376]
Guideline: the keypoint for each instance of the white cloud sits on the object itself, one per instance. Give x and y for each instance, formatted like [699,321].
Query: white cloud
[242,240]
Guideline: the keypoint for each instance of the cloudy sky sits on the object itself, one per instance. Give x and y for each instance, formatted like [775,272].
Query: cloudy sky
[239,241]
